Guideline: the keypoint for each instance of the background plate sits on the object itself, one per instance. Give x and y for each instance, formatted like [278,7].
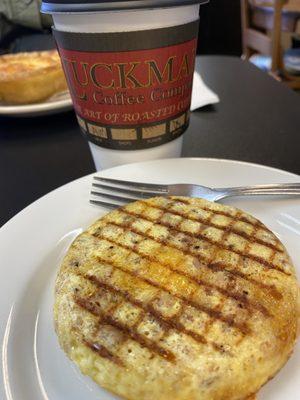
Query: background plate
[57,103]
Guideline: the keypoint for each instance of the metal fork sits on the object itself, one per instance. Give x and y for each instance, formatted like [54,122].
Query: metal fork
[115,193]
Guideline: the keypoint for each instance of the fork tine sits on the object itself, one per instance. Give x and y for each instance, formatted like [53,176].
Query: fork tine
[133,192]
[153,187]
[113,197]
[105,204]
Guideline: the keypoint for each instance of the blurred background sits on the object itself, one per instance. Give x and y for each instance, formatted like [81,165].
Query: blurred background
[220,31]
[265,31]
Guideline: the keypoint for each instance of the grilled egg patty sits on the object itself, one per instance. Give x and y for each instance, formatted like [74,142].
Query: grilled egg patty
[177,298]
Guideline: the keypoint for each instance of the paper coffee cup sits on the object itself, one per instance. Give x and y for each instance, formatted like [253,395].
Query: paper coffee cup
[129,67]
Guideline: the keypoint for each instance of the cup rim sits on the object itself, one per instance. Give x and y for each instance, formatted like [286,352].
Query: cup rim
[74,6]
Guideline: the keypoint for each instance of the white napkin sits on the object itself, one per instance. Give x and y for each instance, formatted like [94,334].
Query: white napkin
[201,94]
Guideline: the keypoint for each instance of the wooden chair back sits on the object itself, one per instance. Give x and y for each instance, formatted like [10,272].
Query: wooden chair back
[257,19]
[254,31]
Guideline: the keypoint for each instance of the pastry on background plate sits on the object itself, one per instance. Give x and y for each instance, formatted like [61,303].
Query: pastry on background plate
[177,298]
[30,77]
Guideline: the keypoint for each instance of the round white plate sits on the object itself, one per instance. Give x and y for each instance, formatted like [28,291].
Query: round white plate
[33,243]
[57,103]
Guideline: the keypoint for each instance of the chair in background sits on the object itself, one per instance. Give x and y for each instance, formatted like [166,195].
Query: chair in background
[277,16]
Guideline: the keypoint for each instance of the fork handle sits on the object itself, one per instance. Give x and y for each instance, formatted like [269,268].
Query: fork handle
[275,189]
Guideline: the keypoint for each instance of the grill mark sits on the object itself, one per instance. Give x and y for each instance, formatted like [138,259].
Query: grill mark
[247,249]
[235,296]
[242,219]
[221,267]
[225,214]
[182,200]
[103,352]
[200,236]
[221,303]
[256,240]
[271,289]
[239,298]
[228,229]
[225,235]
[272,256]
[219,212]
[208,223]
[165,323]
[141,316]
[152,346]
[243,328]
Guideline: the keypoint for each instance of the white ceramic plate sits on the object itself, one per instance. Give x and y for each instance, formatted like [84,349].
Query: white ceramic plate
[58,103]
[33,243]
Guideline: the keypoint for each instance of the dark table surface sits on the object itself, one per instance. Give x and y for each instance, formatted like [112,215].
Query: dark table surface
[257,120]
